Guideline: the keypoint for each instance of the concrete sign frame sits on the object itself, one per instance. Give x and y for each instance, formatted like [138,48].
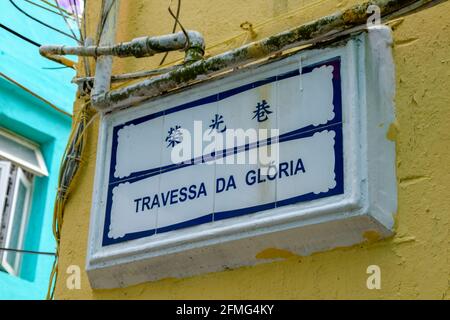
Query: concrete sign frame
[364,198]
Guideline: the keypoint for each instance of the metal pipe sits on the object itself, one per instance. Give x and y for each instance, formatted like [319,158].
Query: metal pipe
[61,60]
[193,45]
[130,76]
[316,31]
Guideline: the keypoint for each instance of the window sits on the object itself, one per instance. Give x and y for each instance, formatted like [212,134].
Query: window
[15,217]
[22,152]
[20,161]
[5,168]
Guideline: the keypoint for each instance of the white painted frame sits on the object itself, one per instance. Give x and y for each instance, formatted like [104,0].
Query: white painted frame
[5,167]
[368,204]
[39,170]
[20,178]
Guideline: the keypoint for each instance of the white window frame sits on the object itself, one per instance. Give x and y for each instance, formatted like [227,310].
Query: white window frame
[5,166]
[40,170]
[20,178]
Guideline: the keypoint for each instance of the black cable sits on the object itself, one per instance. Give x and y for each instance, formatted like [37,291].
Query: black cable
[65,19]
[105,15]
[47,9]
[54,68]
[28,252]
[173,29]
[19,35]
[41,22]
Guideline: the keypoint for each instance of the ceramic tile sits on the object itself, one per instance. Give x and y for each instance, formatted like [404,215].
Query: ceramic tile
[136,147]
[190,203]
[307,166]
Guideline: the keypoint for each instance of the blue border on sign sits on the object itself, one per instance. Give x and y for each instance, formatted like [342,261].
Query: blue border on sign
[335,125]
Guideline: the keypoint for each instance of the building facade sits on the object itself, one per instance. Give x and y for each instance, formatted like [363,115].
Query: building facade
[412,262]
[35,120]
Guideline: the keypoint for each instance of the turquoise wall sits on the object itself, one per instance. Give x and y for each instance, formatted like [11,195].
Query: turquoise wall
[21,61]
[30,117]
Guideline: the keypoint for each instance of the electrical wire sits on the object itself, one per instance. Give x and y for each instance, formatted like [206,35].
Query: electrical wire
[28,252]
[55,68]
[66,21]
[255,26]
[69,169]
[74,7]
[34,43]
[101,26]
[84,20]
[173,29]
[61,60]
[41,22]
[70,164]
[52,5]
[87,67]
[65,62]
[47,9]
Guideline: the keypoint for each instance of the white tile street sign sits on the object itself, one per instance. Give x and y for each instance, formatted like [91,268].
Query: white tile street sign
[177,177]
[149,194]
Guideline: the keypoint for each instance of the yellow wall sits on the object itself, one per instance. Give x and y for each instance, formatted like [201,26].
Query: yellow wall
[414,263]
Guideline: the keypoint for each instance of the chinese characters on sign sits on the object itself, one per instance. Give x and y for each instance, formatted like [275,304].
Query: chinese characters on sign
[175,135]
[218,124]
[262,111]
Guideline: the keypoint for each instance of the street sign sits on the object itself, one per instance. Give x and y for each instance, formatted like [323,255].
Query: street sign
[291,154]
[149,193]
